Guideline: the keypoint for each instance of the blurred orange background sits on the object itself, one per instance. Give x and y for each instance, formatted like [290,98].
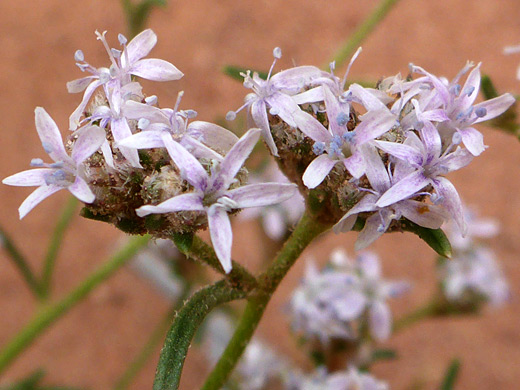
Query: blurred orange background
[93,344]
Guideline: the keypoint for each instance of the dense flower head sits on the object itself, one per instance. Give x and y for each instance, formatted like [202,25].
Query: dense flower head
[351,379]
[330,304]
[381,153]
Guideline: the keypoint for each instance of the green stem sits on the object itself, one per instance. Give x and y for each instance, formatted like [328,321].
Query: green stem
[187,321]
[430,309]
[55,244]
[304,233]
[19,261]
[155,338]
[51,312]
[195,248]
[137,14]
[370,23]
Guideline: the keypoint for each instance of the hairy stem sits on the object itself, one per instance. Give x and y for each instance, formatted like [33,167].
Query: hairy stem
[51,312]
[305,232]
[369,24]
[55,244]
[186,322]
[21,263]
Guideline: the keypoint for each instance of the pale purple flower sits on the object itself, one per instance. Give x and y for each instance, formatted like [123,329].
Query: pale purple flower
[457,102]
[199,137]
[352,379]
[478,228]
[474,272]
[426,215]
[124,64]
[428,166]
[341,145]
[212,194]
[66,171]
[325,305]
[275,94]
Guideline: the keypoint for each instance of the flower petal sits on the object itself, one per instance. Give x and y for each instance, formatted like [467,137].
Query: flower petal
[121,130]
[212,135]
[494,107]
[140,46]
[32,177]
[221,234]
[473,140]
[185,202]
[50,135]
[235,159]
[451,200]
[36,197]
[81,190]
[88,142]
[401,151]
[380,320]
[78,112]
[79,85]
[317,170]
[156,70]
[261,194]
[423,214]
[144,140]
[404,188]
[259,115]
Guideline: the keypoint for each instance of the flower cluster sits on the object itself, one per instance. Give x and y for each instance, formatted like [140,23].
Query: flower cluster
[328,304]
[352,379]
[473,275]
[381,154]
[130,160]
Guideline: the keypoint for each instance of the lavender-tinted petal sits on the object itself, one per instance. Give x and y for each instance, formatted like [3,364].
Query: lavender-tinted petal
[311,127]
[191,169]
[355,164]
[432,141]
[121,130]
[318,170]
[404,188]
[235,159]
[351,305]
[401,151]
[375,170]
[36,197]
[371,232]
[140,46]
[368,262]
[199,150]
[380,320]
[221,234]
[426,215]
[333,111]
[136,110]
[310,96]
[156,70]
[471,85]
[451,201]
[438,115]
[212,135]
[259,116]
[456,160]
[296,78]
[32,177]
[107,153]
[50,135]
[88,142]
[273,224]
[473,140]
[81,190]
[78,112]
[345,224]
[368,99]
[374,124]
[79,85]
[144,140]
[285,107]
[494,107]
[261,194]
[185,202]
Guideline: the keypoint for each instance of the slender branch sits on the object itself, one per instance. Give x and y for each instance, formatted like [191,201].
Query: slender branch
[195,248]
[21,263]
[305,232]
[55,244]
[368,25]
[50,313]
[187,321]
[155,338]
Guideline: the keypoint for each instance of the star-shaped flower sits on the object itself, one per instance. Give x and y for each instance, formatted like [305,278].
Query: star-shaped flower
[212,194]
[65,172]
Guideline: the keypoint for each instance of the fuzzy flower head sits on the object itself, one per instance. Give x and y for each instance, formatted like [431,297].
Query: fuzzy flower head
[66,171]
[352,379]
[212,193]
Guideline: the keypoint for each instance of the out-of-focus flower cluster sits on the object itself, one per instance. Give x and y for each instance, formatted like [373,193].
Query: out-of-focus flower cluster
[473,276]
[380,154]
[344,298]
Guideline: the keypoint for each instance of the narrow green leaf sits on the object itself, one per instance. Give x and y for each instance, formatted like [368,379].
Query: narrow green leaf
[234,71]
[384,354]
[451,375]
[435,238]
